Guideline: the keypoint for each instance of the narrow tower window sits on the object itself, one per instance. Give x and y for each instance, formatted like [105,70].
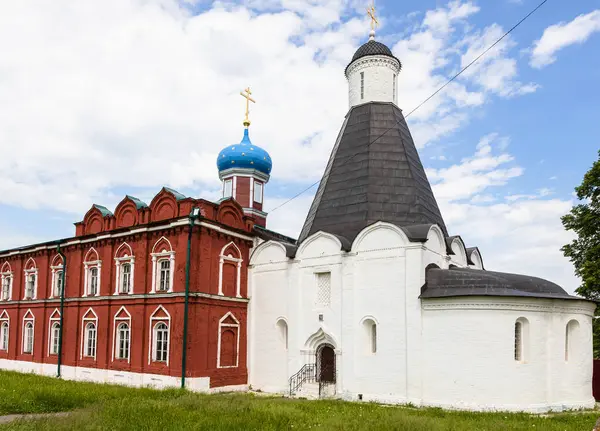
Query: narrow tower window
[227,188]
[258,192]
[518,340]
[394,91]
[362,85]
[521,341]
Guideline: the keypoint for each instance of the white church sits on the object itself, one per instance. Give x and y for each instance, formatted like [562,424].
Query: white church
[376,301]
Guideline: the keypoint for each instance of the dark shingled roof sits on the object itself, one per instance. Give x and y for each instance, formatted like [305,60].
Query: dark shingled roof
[384,181]
[446,283]
[372,47]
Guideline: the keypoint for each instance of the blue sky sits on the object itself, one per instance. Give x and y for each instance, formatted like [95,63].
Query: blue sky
[123,96]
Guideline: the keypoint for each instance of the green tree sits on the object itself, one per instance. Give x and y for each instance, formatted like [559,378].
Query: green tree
[584,251]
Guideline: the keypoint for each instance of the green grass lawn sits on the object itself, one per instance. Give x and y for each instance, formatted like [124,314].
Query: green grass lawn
[97,407]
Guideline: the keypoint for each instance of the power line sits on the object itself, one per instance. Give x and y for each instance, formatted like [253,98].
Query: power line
[422,103]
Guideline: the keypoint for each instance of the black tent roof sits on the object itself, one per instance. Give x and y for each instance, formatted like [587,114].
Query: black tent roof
[373,174]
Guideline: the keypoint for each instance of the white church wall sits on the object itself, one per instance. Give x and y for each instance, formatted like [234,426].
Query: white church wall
[380,72]
[470,358]
[379,295]
[270,277]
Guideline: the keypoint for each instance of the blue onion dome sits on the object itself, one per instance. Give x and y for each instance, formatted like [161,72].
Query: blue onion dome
[245,155]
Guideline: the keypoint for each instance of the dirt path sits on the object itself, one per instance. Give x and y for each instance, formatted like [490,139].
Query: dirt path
[11,418]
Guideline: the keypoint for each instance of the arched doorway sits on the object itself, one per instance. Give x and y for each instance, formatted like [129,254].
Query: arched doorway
[326,364]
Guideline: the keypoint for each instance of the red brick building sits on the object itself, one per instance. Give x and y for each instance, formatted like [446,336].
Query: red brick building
[123,314]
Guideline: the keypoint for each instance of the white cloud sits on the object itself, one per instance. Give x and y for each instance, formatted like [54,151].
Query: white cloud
[522,233]
[474,174]
[561,35]
[140,93]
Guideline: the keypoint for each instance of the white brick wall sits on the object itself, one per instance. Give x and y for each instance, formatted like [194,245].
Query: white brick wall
[453,353]
[379,74]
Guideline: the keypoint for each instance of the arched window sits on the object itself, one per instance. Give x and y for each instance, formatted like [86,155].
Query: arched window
[90,340]
[230,265]
[4,336]
[282,328]
[370,335]
[93,272]
[163,266]
[28,338]
[570,335]
[161,342]
[123,341]
[54,338]
[124,269]
[229,342]
[521,339]
[6,280]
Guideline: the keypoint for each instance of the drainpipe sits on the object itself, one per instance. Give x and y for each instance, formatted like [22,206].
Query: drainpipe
[62,307]
[192,217]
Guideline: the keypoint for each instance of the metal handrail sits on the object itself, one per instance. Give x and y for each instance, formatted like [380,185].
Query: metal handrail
[306,374]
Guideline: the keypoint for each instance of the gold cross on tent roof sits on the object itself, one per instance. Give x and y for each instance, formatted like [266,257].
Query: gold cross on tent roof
[246,94]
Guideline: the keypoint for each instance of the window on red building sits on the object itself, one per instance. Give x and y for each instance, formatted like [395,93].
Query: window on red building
[54,337]
[90,340]
[123,341]
[28,338]
[161,342]
[229,341]
[4,327]
[125,281]
[164,280]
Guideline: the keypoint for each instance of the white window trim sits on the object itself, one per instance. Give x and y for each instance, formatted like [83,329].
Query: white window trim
[8,275]
[86,280]
[25,321]
[84,322]
[237,261]
[262,191]
[156,258]
[52,321]
[54,280]
[4,319]
[119,261]
[29,272]
[237,350]
[116,322]
[252,192]
[225,181]
[151,340]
